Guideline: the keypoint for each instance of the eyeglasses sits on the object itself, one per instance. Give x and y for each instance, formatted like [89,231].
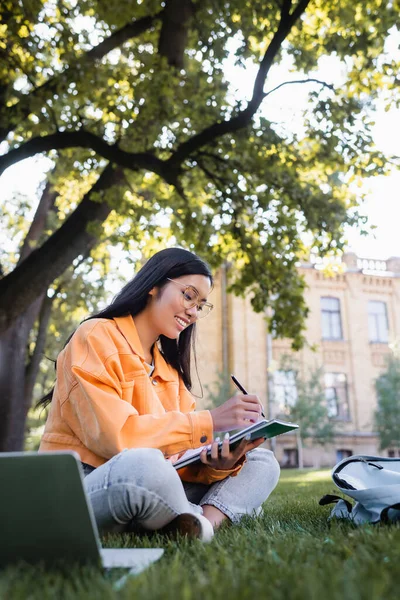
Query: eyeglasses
[190,298]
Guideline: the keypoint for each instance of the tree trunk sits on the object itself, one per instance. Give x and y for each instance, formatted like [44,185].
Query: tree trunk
[174,32]
[22,287]
[300,450]
[14,404]
[32,369]
[15,386]
[46,204]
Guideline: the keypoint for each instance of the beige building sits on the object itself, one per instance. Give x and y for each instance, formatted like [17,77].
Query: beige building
[354,318]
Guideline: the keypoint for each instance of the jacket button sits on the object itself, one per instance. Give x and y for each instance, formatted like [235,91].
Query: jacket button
[154,382]
[203,439]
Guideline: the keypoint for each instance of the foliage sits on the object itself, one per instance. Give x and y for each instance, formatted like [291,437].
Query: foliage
[217,393]
[220,391]
[387,415]
[35,423]
[150,145]
[291,552]
[201,167]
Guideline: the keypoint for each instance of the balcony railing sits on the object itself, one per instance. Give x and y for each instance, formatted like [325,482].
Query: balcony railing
[370,264]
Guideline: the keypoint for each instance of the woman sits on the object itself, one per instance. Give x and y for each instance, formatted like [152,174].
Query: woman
[122,401]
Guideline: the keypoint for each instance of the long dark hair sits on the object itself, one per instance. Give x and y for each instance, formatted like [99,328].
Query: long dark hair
[170,263]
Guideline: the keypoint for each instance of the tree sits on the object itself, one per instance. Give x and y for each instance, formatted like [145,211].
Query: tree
[306,406]
[387,415]
[131,104]
[219,391]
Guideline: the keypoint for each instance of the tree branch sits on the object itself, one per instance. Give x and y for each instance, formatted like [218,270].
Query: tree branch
[86,139]
[32,367]
[174,31]
[46,203]
[217,180]
[168,170]
[243,117]
[311,80]
[119,37]
[285,8]
[20,111]
[48,262]
[212,156]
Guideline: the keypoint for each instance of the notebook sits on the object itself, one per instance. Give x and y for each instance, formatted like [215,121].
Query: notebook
[262,429]
[45,515]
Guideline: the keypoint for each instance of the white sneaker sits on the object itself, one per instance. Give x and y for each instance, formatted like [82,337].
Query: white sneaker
[190,525]
[207,530]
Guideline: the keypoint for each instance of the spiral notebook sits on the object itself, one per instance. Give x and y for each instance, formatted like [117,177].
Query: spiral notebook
[262,429]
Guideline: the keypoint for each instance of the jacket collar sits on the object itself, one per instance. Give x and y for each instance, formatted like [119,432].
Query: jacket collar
[126,326]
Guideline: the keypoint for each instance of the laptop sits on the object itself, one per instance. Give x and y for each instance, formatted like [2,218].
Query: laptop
[46,517]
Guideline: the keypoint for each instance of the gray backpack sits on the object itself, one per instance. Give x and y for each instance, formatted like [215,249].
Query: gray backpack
[373,482]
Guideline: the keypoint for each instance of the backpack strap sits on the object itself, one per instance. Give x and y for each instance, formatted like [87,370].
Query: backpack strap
[385,512]
[333,499]
[341,483]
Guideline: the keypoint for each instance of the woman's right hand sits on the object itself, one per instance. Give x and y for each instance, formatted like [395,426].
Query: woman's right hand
[236,413]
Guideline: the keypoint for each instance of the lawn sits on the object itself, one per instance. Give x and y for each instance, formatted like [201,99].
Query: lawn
[291,552]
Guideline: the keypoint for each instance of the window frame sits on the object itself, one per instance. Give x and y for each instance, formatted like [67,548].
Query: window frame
[342,453]
[382,337]
[289,399]
[341,396]
[290,458]
[328,319]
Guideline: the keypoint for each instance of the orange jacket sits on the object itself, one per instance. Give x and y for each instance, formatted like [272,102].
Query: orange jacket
[104,401]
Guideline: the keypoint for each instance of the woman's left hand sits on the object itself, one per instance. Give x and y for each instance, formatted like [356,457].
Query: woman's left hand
[172,459]
[225,459]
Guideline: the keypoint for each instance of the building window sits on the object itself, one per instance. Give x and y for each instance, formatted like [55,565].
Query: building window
[392,453]
[290,458]
[342,453]
[285,391]
[336,396]
[377,321]
[331,321]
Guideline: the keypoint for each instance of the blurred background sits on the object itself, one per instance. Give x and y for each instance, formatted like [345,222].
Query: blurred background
[262,136]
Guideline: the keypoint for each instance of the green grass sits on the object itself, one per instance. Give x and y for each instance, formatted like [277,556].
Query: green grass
[291,552]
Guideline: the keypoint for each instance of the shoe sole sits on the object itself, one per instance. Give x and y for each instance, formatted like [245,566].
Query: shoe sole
[185,525]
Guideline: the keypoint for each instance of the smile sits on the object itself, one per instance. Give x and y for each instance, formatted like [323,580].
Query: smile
[181,322]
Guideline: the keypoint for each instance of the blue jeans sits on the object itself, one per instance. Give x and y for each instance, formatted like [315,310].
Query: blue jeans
[138,490]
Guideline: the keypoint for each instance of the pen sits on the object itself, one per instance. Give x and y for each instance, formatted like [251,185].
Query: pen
[241,388]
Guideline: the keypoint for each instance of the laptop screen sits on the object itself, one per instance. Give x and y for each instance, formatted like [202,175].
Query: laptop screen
[44,513]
